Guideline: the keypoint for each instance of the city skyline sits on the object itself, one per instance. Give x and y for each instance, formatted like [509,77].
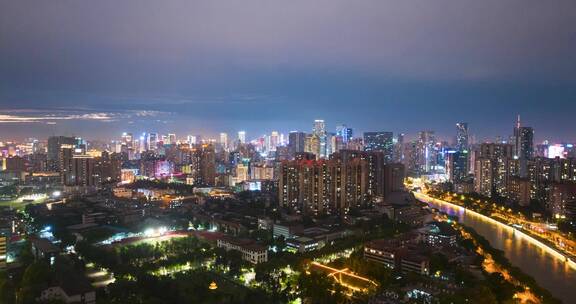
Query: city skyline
[256,151]
[376,66]
[450,135]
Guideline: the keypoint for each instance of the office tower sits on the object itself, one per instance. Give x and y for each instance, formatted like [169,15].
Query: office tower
[344,132]
[426,153]
[143,143]
[494,166]
[273,141]
[380,141]
[524,141]
[171,139]
[152,141]
[523,146]
[462,136]
[224,141]
[319,131]
[296,141]
[242,137]
[128,140]
[319,127]
[192,140]
[54,145]
[399,148]
[457,165]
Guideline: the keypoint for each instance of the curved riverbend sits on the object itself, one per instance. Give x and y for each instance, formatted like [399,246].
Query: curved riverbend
[551,269]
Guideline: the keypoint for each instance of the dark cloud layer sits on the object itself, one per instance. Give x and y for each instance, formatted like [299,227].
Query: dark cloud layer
[399,65]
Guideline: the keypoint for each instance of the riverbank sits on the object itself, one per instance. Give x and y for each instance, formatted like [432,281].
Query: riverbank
[532,239]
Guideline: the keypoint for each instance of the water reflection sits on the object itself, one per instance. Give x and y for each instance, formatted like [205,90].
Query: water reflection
[548,270]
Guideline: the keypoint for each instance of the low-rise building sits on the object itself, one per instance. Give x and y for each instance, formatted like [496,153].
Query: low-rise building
[303,244]
[251,251]
[69,287]
[286,230]
[403,259]
[438,234]
[43,249]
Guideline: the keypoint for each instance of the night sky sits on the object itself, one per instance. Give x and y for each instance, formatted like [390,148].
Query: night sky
[97,68]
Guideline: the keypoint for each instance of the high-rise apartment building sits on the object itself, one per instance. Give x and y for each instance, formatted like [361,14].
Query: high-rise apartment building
[493,168]
[201,160]
[55,143]
[349,179]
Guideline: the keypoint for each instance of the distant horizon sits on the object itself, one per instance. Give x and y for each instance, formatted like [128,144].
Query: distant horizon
[250,135]
[211,66]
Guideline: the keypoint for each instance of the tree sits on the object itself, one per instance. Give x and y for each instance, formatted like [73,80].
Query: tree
[319,289]
[35,278]
[7,290]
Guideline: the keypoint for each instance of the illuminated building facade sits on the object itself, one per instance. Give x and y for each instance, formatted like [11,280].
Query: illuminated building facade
[380,141]
[349,179]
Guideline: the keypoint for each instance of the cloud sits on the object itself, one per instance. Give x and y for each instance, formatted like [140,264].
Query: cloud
[32,116]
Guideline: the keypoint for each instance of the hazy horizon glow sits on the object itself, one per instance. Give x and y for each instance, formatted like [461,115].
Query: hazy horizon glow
[98,68]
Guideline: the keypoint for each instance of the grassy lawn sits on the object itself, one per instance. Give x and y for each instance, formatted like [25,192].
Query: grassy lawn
[19,204]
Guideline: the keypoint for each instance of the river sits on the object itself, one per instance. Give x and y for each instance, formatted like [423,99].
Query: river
[547,268]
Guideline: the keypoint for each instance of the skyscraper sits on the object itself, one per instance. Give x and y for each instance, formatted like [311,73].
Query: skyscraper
[296,141]
[462,136]
[344,132]
[425,151]
[457,165]
[224,141]
[171,139]
[192,140]
[399,148]
[242,137]
[128,139]
[349,179]
[493,168]
[319,127]
[319,131]
[523,146]
[380,141]
[152,141]
[273,141]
